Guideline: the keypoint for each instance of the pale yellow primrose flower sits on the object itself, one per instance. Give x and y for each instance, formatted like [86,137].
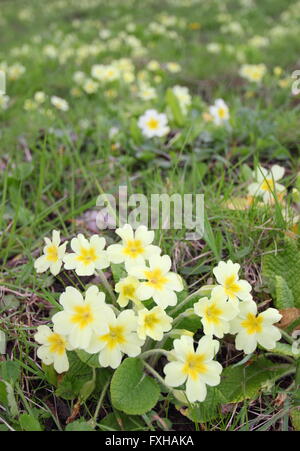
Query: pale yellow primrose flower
[253,72]
[59,103]
[216,314]
[80,317]
[252,328]
[196,368]
[135,248]
[160,284]
[127,290]
[219,112]
[152,123]
[53,349]
[153,323]
[231,287]
[115,337]
[88,255]
[53,255]
[183,96]
[172,67]
[266,185]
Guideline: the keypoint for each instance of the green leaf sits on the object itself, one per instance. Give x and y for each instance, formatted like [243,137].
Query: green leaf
[284,296]
[91,360]
[10,371]
[117,421]
[7,397]
[118,272]
[79,425]
[73,381]
[286,264]
[29,423]
[132,391]
[237,384]
[135,132]
[295,418]
[10,302]
[22,171]
[245,382]
[174,106]
[208,410]
[87,389]
[284,349]
[50,374]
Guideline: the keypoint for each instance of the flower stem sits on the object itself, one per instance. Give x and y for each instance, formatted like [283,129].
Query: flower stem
[107,286]
[287,337]
[146,354]
[203,291]
[157,376]
[103,393]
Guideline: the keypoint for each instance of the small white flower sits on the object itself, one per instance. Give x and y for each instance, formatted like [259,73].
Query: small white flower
[266,185]
[53,255]
[90,86]
[127,290]
[231,287]
[79,77]
[174,68]
[215,313]
[146,92]
[252,328]
[15,71]
[153,323]
[183,96]
[135,248]
[153,124]
[53,349]
[40,97]
[253,72]
[98,71]
[220,112]
[59,103]
[115,337]
[88,255]
[160,283]
[196,368]
[80,317]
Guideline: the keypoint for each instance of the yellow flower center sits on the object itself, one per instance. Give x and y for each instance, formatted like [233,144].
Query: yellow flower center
[133,248]
[114,337]
[110,73]
[52,253]
[151,320]
[253,324]
[57,344]
[153,123]
[256,75]
[230,286]
[222,112]
[268,185]
[212,314]
[87,255]
[156,279]
[194,365]
[129,291]
[83,316]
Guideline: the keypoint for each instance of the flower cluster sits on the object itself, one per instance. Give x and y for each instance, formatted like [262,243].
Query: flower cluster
[230,309]
[141,309]
[92,324]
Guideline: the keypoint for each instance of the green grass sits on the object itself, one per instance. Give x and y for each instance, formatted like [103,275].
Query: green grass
[54,164]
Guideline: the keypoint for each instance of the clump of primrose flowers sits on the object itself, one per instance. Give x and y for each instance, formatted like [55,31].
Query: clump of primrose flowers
[137,315]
